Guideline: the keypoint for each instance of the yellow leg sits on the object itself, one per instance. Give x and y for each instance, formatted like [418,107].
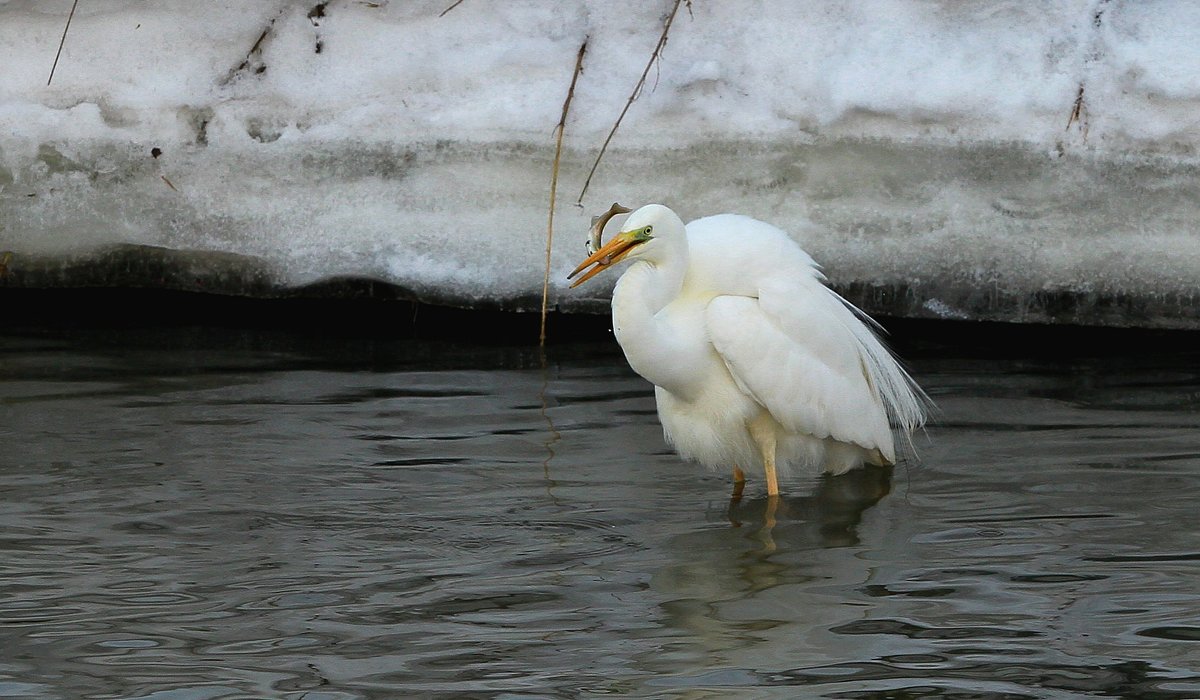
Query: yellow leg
[769,468]
[763,432]
[739,482]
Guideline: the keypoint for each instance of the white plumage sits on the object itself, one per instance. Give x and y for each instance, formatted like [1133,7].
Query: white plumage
[754,360]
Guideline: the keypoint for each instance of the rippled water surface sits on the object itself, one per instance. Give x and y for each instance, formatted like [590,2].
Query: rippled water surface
[189,514]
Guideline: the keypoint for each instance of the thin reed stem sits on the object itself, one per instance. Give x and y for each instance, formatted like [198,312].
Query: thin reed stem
[558,137]
[62,41]
[637,89]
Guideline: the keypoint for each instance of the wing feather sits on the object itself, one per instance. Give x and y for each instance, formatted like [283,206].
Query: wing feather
[800,351]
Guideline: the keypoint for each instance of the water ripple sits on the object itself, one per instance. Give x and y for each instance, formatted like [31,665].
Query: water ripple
[264,521]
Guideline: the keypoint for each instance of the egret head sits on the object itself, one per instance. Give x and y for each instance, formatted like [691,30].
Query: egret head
[647,234]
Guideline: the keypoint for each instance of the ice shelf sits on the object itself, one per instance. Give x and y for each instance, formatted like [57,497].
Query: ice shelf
[1007,160]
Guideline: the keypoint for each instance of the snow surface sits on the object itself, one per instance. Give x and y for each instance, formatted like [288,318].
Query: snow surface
[924,151]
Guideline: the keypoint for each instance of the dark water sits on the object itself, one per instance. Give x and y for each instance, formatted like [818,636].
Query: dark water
[191,515]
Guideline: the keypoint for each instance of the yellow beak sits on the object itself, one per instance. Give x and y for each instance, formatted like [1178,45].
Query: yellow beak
[609,254]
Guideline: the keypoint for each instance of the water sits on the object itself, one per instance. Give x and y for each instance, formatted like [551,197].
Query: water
[193,514]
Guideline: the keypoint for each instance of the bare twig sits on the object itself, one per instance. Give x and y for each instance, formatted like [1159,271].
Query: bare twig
[456,4]
[256,51]
[1079,114]
[169,183]
[558,138]
[654,56]
[1077,108]
[62,41]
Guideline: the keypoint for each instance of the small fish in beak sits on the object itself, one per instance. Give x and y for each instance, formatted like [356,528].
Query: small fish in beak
[596,254]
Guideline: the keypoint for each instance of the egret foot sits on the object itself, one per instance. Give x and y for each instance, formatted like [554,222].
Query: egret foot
[739,484]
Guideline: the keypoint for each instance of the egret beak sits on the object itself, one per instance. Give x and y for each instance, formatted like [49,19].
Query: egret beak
[609,254]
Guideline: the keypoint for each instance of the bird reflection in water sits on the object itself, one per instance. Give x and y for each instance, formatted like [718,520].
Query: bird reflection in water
[726,589]
[831,514]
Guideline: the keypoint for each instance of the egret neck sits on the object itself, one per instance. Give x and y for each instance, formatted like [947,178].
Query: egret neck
[647,324]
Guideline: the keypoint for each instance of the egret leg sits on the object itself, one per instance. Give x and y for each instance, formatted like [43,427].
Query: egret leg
[764,434]
[769,468]
[739,482]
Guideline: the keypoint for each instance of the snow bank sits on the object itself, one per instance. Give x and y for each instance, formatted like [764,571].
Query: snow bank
[999,160]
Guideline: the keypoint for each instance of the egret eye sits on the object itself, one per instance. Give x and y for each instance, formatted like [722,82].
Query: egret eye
[647,230]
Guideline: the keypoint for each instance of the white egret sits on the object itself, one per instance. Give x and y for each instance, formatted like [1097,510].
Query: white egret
[754,360]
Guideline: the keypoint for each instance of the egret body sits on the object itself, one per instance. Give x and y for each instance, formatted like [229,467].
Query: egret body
[754,360]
